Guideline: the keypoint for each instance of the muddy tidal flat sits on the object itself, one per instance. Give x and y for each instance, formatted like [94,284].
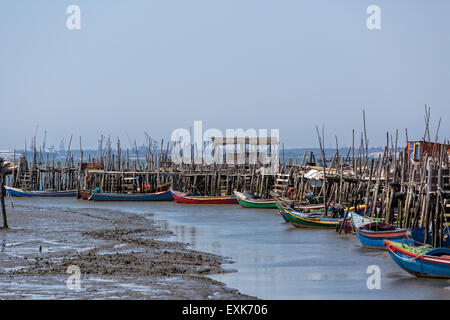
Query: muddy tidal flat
[120,256]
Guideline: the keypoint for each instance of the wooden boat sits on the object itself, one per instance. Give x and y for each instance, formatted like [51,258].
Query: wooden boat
[156,196]
[423,261]
[312,210]
[16,192]
[181,197]
[372,235]
[147,194]
[309,220]
[315,209]
[247,201]
[285,212]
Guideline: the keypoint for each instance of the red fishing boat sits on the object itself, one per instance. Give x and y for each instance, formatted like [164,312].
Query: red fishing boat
[181,197]
[421,261]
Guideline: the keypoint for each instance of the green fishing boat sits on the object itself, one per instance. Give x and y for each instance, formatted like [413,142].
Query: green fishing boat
[247,201]
[309,220]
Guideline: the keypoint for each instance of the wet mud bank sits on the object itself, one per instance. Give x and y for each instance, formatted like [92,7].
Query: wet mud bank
[100,254]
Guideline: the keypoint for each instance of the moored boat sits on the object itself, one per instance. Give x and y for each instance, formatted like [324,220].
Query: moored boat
[181,197]
[423,261]
[373,234]
[156,196]
[309,220]
[16,192]
[247,201]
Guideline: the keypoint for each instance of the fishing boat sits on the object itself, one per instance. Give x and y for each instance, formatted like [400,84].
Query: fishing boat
[422,261]
[181,197]
[309,220]
[156,196]
[307,210]
[285,213]
[16,192]
[247,201]
[373,234]
[316,209]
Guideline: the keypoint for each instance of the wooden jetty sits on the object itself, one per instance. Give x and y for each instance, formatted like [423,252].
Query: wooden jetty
[408,186]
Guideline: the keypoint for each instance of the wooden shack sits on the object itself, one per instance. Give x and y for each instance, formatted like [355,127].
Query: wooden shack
[246,150]
[417,150]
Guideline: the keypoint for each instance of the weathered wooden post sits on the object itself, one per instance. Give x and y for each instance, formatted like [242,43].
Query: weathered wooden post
[426,214]
[2,200]
[3,193]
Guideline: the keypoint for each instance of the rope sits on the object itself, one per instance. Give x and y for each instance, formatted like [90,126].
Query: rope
[410,238]
[403,258]
[407,259]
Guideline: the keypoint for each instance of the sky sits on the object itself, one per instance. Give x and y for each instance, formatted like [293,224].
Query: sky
[155,66]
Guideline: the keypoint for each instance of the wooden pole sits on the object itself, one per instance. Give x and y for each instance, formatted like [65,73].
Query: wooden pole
[2,200]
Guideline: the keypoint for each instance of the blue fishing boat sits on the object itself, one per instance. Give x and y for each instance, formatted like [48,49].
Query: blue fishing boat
[419,236]
[16,192]
[156,196]
[372,235]
[423,261]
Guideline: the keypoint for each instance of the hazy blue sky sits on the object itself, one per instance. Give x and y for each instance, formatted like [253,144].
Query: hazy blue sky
[154,66]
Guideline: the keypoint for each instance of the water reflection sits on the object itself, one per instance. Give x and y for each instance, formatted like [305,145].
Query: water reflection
[184,234]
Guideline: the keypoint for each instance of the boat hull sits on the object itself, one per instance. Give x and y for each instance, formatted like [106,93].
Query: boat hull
[375,239]
[182,198]
[420,265]
[14,192]
[300,220]
[157,196]
[255,203]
